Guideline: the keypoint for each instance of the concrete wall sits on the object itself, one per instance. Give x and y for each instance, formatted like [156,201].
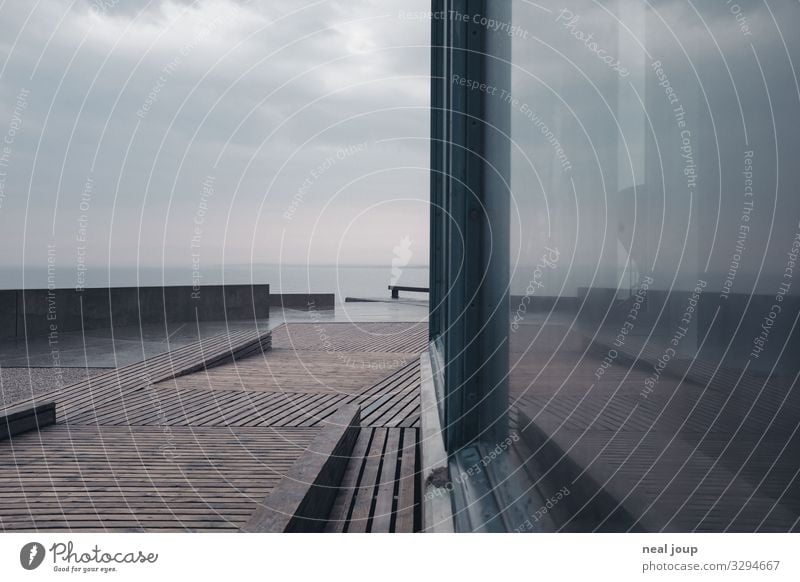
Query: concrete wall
[305,301]
[72,310]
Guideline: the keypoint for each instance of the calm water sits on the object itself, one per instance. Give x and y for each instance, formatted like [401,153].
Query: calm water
[344,281]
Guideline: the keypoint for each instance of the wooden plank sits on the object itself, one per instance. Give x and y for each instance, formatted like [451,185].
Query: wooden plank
[287,370]
[395,411]
[303,500]
[362,510]
[406,498]
[89,394]
[382,516]
[282,413]
[338,518]
[318,411]
[229,409]
[118,478]
[347,337]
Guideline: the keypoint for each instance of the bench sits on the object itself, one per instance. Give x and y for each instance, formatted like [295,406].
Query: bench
[395,289]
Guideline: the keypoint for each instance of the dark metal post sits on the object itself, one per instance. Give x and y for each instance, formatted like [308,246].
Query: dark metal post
[475,325]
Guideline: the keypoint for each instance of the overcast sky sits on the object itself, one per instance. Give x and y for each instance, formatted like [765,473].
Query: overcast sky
[270,131]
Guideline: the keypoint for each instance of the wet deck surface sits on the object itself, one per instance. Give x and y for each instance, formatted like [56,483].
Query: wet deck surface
[162,445]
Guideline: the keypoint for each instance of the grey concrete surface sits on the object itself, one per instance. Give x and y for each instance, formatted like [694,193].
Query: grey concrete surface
[17,384]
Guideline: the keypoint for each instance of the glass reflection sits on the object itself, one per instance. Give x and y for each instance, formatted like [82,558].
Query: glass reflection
[654,238]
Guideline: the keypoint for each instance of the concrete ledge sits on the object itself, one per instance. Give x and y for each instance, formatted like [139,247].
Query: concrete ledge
[304,301]
[303,499]
[230,353]
[21,419]
[437,502]
[37,310]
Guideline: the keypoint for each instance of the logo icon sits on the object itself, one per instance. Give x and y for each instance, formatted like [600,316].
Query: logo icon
[31,555]
[402,256]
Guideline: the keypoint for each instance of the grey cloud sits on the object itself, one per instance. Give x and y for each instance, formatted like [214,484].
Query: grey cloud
[161,68]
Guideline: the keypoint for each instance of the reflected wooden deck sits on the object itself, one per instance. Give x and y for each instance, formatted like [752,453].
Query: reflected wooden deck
[685,456]
[192,440]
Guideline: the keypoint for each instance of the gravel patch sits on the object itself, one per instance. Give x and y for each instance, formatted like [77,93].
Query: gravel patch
[18,384]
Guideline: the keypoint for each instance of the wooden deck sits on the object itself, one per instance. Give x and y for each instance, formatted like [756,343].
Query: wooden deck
[132,478]
[379,492]
[297,372]
[196,438]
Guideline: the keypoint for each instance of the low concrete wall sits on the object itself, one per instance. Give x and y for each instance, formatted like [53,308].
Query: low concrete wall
[305,301]
[39,310]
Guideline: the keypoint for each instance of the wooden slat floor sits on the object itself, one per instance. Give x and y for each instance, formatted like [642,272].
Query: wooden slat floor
[380,489]
[212,408]
[102,466]
[392,401]
[353,337]
[674,460]
[142,478]
[288,370]
[201,355]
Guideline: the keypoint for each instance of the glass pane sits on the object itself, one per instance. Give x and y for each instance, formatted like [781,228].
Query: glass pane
[654,238]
